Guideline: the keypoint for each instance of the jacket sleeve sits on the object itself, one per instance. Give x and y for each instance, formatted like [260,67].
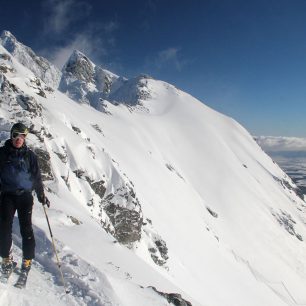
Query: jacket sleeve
[36,175]
[2,161]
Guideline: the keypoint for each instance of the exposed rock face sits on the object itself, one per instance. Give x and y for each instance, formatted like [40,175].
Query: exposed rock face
[132,91]
[287,184]
[80,67]
[40,66]
[98,187]
[30,105]
[173,298]
[85,82]
[156,245]
[22,107]
[124,212]
[159,254]
[44,163]
[286,221]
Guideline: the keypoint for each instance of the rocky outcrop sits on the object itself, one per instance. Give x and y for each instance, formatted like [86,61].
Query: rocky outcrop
[132,91]
[44,163]
[124,212]
[173,298]
[98,187]
[85,82]
[40,66]
[80,67]
[157,247]
[288,223]
[287,184]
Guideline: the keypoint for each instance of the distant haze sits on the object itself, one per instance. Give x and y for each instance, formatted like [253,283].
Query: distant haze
[285,146]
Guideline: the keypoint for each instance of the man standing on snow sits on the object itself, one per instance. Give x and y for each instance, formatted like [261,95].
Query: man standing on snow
[19,175]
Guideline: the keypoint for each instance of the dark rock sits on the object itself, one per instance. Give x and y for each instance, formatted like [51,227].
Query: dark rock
[7,86]
[97,128]
[29,104]
[75,220]
[76,129]
[160,253]
[172,298]
[80,66]
[286,221]
[172,169]
[66,180]
[42,93]
[297,190]
[214,214]
[98,187]
[161,245]
[6,69]
[90,203]
[44,164]
[5,56]
[62,157]
[79,173]
[127,223]
[49,89]
[157,246]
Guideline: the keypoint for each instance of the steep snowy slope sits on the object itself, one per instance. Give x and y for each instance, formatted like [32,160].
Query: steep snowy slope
[156,190]
[25,55]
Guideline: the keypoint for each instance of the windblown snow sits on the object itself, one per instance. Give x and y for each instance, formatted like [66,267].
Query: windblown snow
[156,199]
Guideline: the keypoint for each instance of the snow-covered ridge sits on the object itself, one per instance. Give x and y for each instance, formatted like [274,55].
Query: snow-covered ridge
[80,79]
[40,66]
[167,193]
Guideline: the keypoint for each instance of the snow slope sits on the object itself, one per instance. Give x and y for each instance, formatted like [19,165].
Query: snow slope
[215,219]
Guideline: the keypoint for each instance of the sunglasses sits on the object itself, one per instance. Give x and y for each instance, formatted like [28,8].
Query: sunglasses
[16,135]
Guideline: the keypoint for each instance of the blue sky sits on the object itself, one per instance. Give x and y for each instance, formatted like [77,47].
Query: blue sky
[246,59]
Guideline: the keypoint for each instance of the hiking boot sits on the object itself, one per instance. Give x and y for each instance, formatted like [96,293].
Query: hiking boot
[26,264]
[7,264]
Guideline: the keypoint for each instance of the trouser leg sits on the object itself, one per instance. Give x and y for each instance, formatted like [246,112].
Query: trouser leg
[24,209]
[7,212]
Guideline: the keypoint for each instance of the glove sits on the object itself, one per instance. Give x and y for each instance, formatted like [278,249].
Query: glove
[47,202]
[43,199]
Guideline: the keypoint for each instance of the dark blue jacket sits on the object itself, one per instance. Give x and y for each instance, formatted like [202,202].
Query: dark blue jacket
[19,169]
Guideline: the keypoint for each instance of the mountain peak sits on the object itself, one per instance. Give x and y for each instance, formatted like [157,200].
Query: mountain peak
[40,66]
[7,34]
[77,56]
[78,53]
[8,40]
[80,66]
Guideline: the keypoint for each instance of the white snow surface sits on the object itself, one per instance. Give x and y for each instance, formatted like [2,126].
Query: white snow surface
[182,158]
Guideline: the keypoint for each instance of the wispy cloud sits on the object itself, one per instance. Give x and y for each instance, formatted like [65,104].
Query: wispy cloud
[170,57]
[63,13]
[69,22]
[84,42]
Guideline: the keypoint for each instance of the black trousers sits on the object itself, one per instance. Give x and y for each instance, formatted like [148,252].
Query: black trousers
[8,205]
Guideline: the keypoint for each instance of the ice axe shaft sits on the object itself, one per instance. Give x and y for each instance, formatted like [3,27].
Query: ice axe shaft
[55,251]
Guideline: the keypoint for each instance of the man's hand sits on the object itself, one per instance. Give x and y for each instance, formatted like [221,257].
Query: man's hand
[43,199]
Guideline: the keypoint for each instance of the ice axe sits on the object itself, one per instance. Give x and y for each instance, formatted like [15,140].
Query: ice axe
[55,251]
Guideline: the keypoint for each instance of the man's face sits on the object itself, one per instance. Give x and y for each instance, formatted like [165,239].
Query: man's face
[18,140]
